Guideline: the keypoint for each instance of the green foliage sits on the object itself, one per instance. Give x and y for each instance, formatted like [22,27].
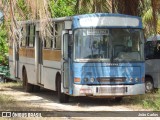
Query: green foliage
[23,7]
[60,8]
[3,45]
[158,25]
[152,101]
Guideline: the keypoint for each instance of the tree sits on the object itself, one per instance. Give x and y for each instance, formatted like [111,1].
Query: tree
[61,8]
[44,9]
[148,9]
[3,45]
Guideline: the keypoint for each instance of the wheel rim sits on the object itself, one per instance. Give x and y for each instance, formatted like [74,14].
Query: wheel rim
[149,86]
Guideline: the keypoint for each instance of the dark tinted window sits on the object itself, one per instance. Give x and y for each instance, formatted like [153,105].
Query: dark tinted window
[152,50]
[31,35]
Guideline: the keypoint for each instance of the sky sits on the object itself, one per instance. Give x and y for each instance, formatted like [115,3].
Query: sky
[1,15]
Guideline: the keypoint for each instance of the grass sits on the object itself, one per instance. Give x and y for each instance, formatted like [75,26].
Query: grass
[152,101]
[11,84]
[149,101]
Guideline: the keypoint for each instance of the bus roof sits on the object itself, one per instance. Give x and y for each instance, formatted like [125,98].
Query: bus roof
[95,20]
[106,20]
[154,37]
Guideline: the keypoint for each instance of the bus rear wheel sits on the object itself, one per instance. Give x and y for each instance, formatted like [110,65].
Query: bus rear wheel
[149,85]
[26,86]
[36,88]
[63,98]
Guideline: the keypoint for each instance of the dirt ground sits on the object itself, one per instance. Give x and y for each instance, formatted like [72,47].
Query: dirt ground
[79,107]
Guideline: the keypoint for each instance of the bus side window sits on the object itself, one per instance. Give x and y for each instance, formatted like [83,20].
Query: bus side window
[27,34]
[57,42]
[157,51]
[23,42]
[31,35]
[152,50]
[48,42]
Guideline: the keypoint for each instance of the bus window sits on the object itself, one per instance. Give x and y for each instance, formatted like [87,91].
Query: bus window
[27,34]
[48,42]
[58,28]
[23,42]
[31,36]
[152,50]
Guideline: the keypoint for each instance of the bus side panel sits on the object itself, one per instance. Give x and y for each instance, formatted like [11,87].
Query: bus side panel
[27,59]
[30,68]
[30,65]
[50,69]
[152,68]
[51,66]
[22,61]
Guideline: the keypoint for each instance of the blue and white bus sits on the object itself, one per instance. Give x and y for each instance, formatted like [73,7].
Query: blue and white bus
[95,55]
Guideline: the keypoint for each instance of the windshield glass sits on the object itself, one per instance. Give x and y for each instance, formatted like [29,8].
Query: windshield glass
[108,44]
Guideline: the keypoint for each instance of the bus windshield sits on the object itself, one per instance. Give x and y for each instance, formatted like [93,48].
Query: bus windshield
[112,45]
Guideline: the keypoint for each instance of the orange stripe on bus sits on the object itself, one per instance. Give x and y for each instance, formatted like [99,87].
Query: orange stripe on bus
[30,52]
[27,52]
[53,55]
[10,51]
[22,52]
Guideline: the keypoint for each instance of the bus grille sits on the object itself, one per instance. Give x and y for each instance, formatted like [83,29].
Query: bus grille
[111,79]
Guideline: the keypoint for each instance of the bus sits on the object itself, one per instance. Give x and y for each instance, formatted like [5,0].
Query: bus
[94,55]
[152,63]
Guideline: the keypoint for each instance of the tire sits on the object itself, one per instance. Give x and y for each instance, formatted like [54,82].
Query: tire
[36,88]
[63,98]
[26,86]
[149,87]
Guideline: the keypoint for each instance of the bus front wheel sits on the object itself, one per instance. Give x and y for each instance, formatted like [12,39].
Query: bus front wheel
[149,85]
[63,98]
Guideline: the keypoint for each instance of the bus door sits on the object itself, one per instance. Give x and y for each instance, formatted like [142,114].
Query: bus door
[65,61]
[16,59]
[38,58]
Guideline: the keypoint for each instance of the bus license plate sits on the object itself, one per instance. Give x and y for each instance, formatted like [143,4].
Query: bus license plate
[112,90]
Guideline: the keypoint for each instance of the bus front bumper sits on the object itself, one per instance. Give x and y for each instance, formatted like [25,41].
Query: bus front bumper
[108,90]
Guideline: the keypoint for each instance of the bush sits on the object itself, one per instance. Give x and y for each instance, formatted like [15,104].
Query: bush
[3,45]
[152,101]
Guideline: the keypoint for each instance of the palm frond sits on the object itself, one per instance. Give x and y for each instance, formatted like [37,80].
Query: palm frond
[148,17]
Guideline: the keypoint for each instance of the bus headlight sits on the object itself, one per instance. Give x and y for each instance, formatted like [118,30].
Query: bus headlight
[92,80]
[137,79]
[130,79]
[85,79]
